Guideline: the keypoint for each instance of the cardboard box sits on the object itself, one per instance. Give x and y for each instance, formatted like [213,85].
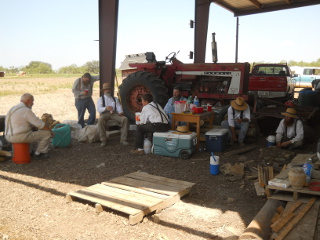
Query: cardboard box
[217,140]
[174,145]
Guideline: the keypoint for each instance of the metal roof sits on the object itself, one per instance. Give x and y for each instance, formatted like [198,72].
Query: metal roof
[247,7]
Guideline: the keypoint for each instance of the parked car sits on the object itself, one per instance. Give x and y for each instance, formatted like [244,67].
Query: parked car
[304,76]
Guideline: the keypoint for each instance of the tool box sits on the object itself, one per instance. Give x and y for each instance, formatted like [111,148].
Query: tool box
[174,144]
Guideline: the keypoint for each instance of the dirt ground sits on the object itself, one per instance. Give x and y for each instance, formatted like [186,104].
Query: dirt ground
[33,196]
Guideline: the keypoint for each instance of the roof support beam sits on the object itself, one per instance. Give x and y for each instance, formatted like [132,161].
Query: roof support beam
[201,29]
[108,26]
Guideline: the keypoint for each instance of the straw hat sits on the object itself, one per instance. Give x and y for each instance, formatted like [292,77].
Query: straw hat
[182,130]
[106,86]
[290,112]
[239,104]
[4,154]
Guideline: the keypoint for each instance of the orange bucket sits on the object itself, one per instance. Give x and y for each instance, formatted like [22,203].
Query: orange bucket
[21,153]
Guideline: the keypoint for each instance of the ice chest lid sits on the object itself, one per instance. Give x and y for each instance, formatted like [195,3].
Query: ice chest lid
[217,131]
[170,134]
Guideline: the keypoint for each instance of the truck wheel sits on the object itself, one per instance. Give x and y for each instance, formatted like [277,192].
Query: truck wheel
[137,84]
[184,155]
[222,114]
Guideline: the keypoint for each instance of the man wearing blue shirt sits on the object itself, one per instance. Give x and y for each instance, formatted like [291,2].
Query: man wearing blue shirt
[169,108]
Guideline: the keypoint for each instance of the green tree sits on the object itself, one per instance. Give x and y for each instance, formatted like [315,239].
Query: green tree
[38,67]
[92,67]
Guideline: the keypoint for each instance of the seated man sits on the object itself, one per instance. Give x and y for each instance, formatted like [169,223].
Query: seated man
[169,108]
[290,131]
[152,119]
[19,123]
[109,107]
[238,118]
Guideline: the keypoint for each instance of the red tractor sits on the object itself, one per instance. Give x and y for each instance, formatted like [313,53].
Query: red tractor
[211,82]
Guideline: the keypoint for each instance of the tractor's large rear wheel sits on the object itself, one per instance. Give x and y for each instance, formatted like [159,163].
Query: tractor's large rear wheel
[137,84]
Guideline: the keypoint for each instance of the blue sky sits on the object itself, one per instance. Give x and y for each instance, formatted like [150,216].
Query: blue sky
[62,32]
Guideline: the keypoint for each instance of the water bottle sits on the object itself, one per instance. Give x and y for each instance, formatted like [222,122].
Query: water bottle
[196,101]
[307,167]
[147,146]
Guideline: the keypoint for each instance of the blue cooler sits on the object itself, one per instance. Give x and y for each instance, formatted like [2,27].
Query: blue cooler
[217,140]
[174,145]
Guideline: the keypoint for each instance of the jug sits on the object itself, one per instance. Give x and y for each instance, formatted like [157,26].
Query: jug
[147,146]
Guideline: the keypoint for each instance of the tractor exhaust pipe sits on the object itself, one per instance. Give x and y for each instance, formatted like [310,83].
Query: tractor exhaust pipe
[214,48]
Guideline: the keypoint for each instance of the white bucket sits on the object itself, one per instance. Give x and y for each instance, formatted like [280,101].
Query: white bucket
[137,117]
[271,141]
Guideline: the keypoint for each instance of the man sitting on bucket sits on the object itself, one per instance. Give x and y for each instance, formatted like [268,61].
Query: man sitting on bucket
[238,118]
[290,131]
[109,107]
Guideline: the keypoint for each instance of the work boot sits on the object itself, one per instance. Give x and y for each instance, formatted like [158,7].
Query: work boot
[103,143]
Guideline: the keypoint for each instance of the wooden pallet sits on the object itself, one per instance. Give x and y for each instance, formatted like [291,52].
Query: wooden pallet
[290,194]
[136,194]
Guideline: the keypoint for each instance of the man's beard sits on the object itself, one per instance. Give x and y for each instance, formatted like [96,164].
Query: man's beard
[108,94]
[288,122]
[175,99]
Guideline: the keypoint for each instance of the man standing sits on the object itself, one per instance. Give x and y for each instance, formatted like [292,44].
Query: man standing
[19,123]
[238,118]
[109,107]
[169,108]
[82,90]
[290,131]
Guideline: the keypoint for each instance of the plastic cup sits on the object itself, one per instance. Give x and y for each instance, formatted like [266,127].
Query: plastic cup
[209,108]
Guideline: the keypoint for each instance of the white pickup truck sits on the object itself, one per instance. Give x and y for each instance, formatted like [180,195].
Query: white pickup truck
[304,76]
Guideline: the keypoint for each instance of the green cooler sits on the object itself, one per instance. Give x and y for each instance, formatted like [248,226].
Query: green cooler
[174,145]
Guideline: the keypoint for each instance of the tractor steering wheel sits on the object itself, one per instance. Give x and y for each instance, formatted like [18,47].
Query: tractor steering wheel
[171,56]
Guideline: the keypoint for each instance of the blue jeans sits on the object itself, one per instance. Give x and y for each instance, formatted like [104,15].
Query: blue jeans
[82,105]
[242,126]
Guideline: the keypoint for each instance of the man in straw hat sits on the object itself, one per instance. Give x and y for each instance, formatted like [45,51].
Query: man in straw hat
[82,90]
[290,130]
[152,119]
[109,107]
[238,118]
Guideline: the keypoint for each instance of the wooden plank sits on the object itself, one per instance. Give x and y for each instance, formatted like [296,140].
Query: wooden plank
[137,190]
[124,195]
[305,190]
[307,225]
[107,203]
[174,182]
[151,203]
[242,150]
[300,159]
[158,188]
[290,210]
[282,221]
[280,210]
[294,222]
[259,190]
[275,217]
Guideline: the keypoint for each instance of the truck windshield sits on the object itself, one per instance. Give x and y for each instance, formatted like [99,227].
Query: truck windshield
[270,70]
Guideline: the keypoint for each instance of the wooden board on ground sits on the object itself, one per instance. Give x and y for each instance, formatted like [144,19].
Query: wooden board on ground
[305,229]
[136,194]
[300,159]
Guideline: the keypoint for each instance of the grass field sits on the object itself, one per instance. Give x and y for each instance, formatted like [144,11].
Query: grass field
[52,95]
